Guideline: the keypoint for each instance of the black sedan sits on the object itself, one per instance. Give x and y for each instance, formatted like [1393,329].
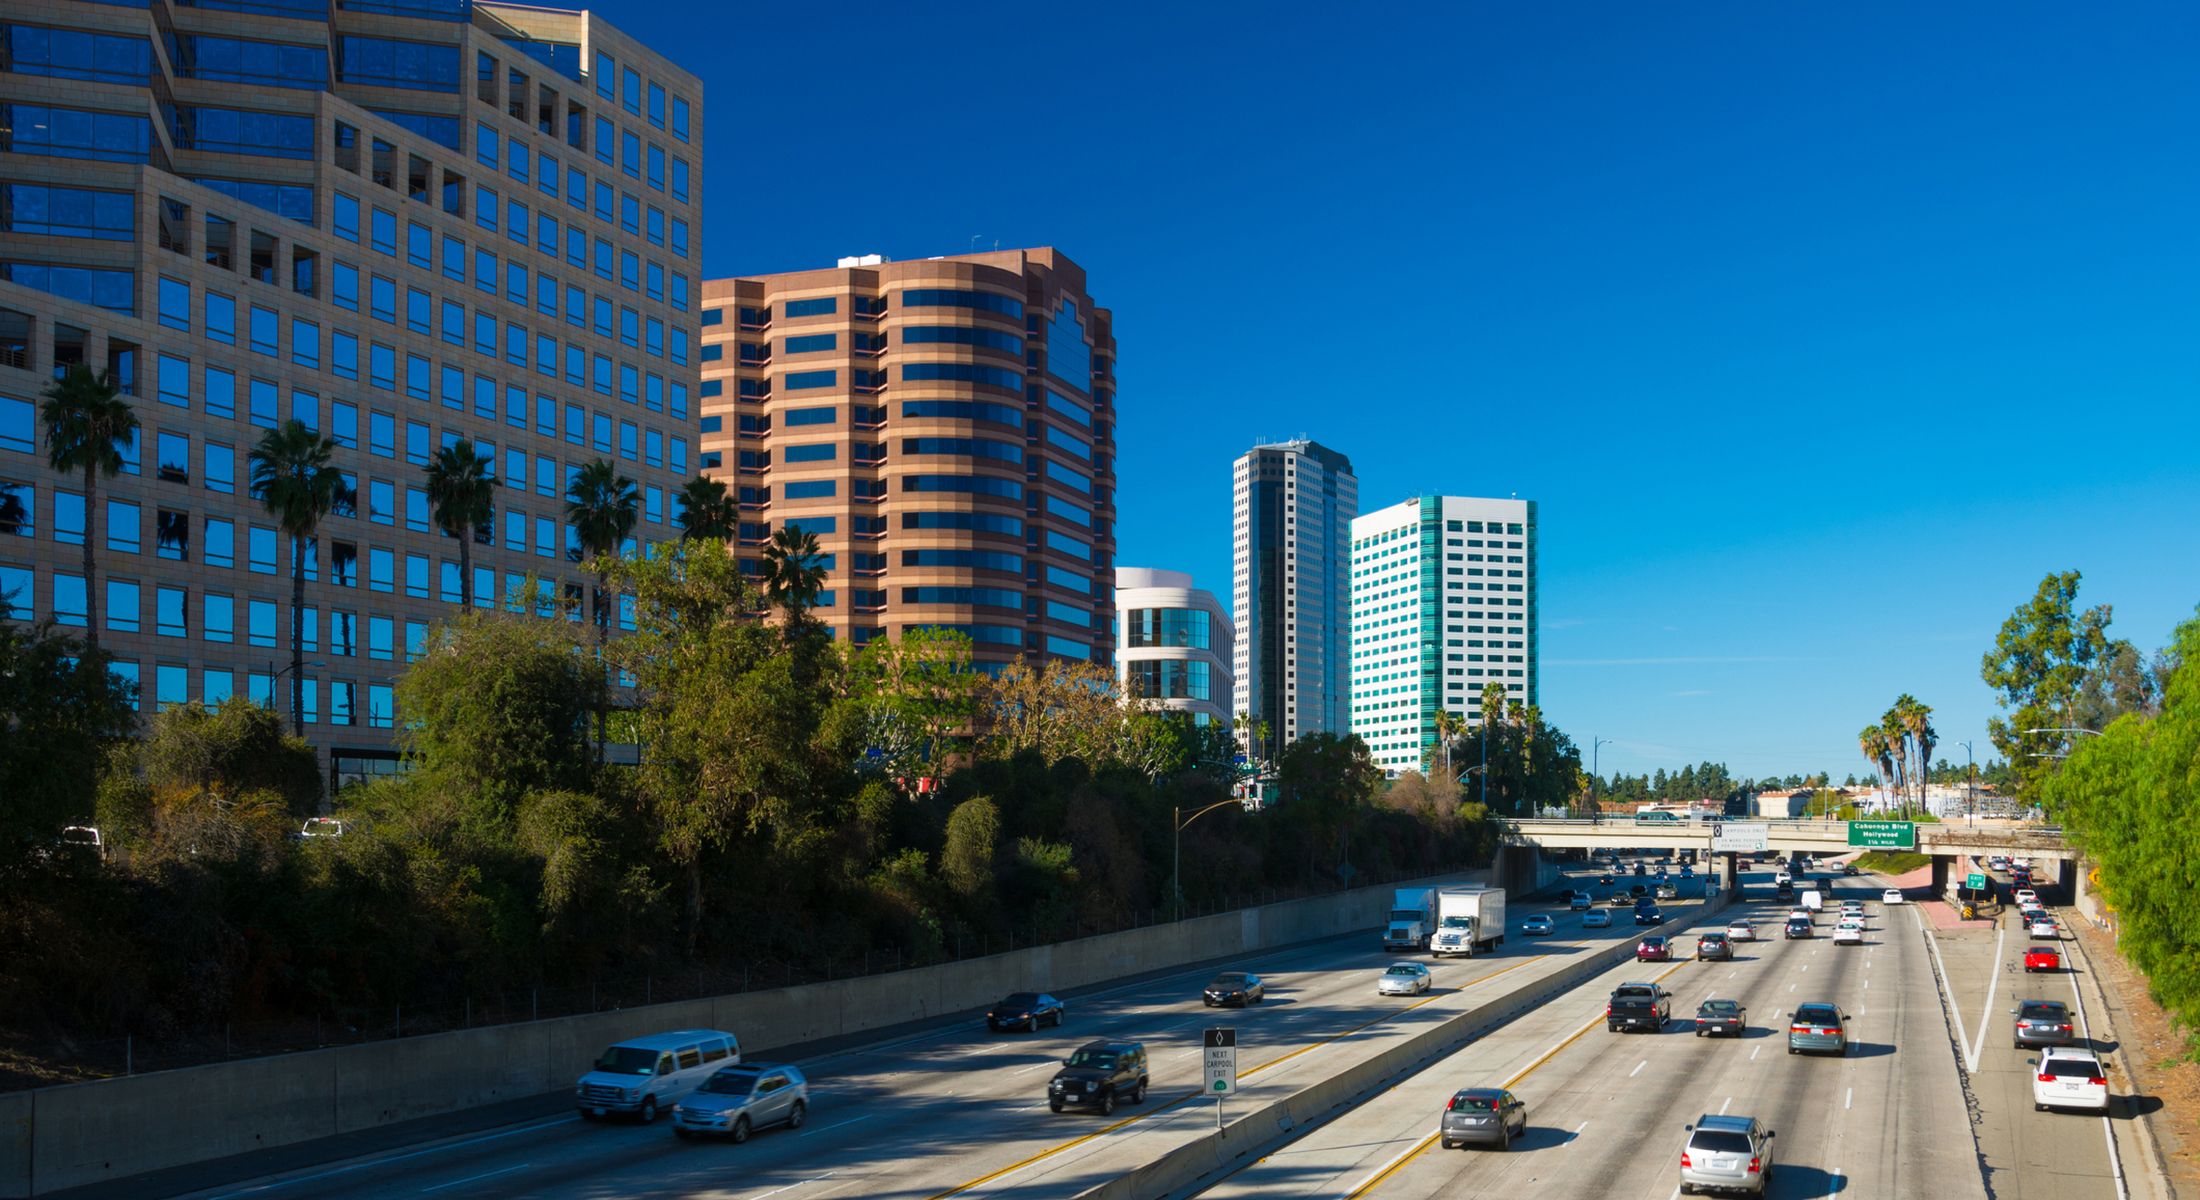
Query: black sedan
[1648,914]
[1025,1010]
[1721,1017]
[1234,987]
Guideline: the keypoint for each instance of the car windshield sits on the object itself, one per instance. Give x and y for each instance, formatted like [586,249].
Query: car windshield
[626,1060]
[1720,1141]
[1653,941]
[730,1083]
[1817,1014]
[2040,1010]
[1228,981]
[1100,1060]
[1019,1001]
[1403,969]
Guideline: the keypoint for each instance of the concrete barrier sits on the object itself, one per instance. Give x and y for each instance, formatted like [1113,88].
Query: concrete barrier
[1262,1131]
[76,1134]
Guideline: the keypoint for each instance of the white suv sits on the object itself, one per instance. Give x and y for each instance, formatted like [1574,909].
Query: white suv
[2070,1078]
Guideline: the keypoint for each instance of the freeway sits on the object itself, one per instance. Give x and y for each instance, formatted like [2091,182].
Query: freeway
[955,1111]
[1607,1110]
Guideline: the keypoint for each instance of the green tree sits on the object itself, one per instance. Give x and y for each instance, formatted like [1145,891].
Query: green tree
[497,709]
[601,504]
[2120,682]
[293,477]
[2126,799]
[707,511]
[88,425]
[61,711]
[2040,659]
[463,498]
[966,864]
[793,575]
[1329,779]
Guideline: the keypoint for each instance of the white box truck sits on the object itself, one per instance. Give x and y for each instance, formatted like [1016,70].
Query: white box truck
[1469,919]
[1412,919]
[1814,900]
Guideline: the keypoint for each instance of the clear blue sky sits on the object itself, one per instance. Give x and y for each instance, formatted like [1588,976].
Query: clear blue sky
[1821,332]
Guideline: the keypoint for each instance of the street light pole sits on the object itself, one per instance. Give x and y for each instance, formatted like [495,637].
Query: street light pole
[1970,784]
[1176,855]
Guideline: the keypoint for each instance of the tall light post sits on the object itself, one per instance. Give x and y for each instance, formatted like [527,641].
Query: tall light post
[1176,856]
[1970,785]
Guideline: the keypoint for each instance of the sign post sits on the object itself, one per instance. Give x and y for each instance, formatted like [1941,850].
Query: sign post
[1883,835]
[1219,1057]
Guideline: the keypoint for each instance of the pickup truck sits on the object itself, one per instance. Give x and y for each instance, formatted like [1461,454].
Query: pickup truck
[1643,1006]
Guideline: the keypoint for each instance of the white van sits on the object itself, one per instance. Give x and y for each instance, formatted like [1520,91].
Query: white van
[1814,900]
[641,1075]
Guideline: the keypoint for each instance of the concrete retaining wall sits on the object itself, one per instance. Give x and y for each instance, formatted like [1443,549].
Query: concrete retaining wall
[1203,1160]
[76,1134]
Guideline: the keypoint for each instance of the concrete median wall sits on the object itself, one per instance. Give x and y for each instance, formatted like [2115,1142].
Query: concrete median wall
[76,1134]
[1204,1160]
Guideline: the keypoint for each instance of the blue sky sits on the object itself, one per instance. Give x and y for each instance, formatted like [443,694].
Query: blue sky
[1820,332]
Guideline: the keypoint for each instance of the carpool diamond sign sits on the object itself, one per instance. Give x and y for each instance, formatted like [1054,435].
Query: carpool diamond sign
[1220,1059]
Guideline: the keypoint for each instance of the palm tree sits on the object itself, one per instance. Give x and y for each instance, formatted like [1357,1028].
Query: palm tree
[1872,742]
[706,511]
[792,576]
[292,476]
[601,504]
[87,424]
[1449,725]
[1898,747]
[464,498]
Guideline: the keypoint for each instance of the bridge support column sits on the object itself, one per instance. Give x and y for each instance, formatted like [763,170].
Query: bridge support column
[1940,876]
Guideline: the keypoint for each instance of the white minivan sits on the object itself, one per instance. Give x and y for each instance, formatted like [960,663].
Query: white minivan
[641,1075]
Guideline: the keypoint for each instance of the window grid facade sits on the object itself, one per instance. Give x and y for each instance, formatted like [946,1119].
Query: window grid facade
[945,428]
[1293,509]
[414,240]
[1174,645]
[1443,604]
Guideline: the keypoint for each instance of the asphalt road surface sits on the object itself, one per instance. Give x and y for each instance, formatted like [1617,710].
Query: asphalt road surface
[958,1111]
[1606,1110]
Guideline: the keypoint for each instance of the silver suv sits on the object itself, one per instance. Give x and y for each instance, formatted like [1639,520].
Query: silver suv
[1726,1154]
[736,1100]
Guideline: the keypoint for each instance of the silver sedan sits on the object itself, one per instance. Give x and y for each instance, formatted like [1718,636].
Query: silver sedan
[1404,979]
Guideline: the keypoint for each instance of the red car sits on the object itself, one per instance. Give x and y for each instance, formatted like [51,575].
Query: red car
[1653,949]
[2042,958]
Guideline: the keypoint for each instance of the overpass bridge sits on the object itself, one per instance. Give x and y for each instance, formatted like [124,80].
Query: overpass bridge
[1943,842]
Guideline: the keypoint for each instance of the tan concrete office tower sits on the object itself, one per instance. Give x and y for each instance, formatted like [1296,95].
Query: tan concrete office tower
[946,427]
[402,222]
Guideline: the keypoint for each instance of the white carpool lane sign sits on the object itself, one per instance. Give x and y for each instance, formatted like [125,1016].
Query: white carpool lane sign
[1219,1057]
[1728,836]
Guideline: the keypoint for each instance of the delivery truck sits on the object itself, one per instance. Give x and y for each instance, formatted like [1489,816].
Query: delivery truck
[1469,919]
[1412,919]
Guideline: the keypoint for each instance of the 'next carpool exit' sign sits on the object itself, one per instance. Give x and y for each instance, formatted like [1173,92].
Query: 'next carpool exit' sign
[1883,835]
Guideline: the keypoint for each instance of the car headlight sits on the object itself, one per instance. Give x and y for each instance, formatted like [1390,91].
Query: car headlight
[633,1093]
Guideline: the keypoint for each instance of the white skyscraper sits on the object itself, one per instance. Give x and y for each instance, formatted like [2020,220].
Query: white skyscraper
[1294,505]
[1172,644]
[1443,604]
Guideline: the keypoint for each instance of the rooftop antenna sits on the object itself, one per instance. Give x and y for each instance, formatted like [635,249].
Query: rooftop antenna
[974,238]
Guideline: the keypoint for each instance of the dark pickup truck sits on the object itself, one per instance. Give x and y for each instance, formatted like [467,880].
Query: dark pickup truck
[1638,1006]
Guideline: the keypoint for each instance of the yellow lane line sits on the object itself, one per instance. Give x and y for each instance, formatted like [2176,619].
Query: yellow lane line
[1398,1164]
[1075,1142]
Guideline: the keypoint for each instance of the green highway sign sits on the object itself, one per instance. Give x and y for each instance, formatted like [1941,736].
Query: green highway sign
[1976,882]
[1883,835]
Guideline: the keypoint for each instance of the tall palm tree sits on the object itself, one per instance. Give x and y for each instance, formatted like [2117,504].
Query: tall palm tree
[792,576]
[1871,741]
[292,476]
[87,424]
[601,504]
[707,512]
[1449,725]
[464,498]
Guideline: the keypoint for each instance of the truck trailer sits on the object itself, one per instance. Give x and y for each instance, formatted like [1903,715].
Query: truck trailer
[1469,919]
[1412,919]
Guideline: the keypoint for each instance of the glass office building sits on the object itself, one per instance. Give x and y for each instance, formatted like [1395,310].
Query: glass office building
[945,427]
[1294,504]
[1443,605]
[1173,646]
[401,222]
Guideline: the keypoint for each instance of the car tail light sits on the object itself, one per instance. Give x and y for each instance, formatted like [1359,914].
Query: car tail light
[1799,1029]
[1684,1160]
[1453,1105]
[1607,1010]
[1755,1164]
[2098,1081]
[2066,1029]
[2047,1079]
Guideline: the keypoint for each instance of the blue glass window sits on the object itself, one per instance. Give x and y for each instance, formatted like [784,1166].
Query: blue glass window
[73,133]
[347,217]
[1058,507]
[386,62]
[962,335]
[630,155]
[1062,440]
[315,9]
[680,179]
[68,212]
[112,290]
[234,60]
[175,303]
[965,410]
[810,416]
[243,131]
[801,380]
[816,306]
[76,54]
[999,377]
[679,118]
[952,298]
[283,199]
[808,489]
[1069,478]
[966,447]
[987,560]
[813,452]
[977,485]
[1064,406]
[977,522]
[443,131]
[1069,359]
[810,342]
[434,10]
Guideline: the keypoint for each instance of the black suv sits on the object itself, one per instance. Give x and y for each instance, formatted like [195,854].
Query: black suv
[1097,1074]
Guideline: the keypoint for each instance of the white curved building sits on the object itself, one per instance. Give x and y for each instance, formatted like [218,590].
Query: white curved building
[1173,644]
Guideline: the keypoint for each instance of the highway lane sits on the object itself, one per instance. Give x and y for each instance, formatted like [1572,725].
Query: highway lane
[1607,1110]
[958,1111]
[2028,1155]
